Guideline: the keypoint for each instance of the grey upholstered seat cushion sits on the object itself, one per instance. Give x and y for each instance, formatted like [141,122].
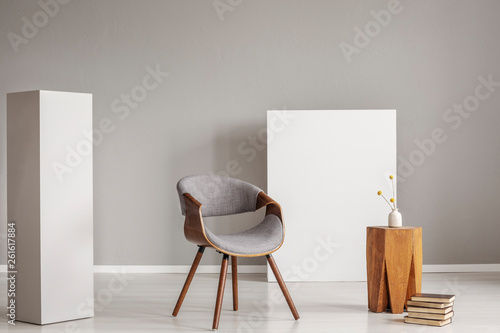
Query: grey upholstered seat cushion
[263,238]
[219,195]
[225,196]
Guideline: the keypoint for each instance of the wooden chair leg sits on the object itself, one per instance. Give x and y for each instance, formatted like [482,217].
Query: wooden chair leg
[234,277]
[220,291]
[283,287]
[189,278]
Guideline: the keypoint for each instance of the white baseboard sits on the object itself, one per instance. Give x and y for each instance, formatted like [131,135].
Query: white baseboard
[461,268]
[244,269]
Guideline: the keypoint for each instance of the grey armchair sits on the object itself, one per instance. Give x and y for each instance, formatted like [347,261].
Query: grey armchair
[209,195]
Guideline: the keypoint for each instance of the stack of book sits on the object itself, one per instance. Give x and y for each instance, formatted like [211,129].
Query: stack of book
[430,309]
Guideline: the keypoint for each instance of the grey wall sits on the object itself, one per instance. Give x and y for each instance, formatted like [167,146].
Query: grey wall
[225,74]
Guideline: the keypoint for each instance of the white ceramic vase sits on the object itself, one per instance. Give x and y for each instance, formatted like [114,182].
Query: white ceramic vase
[395,219]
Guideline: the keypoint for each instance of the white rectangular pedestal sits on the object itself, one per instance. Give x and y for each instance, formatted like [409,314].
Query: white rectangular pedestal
[49,196]
[325,168]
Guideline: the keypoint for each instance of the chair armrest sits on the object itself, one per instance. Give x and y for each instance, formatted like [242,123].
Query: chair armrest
[272,207]
[194,229]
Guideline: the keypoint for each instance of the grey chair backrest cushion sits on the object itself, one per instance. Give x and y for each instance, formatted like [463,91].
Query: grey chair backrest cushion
[219,195]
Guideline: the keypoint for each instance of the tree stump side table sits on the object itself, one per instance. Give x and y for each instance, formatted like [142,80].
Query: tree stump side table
[394,266]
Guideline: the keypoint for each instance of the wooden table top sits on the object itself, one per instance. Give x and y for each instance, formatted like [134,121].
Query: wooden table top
[392,228]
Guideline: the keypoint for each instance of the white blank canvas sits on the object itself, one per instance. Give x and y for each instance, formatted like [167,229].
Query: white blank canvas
[325,168]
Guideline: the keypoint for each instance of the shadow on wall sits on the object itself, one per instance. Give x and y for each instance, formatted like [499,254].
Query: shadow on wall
[236,152]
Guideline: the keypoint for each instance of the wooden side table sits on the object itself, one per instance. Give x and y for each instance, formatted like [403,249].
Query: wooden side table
[394,266]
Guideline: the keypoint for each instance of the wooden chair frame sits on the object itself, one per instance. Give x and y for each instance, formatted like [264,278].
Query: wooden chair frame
[194,230]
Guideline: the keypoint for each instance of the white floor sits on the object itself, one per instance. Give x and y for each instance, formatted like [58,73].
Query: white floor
[144,302]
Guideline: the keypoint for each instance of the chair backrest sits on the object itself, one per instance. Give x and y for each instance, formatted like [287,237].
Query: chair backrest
[219,195]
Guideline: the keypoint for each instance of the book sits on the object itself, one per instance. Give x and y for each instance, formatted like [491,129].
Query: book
[433,316]
[429,310]
[428,322]
[433,298]
[429,304]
